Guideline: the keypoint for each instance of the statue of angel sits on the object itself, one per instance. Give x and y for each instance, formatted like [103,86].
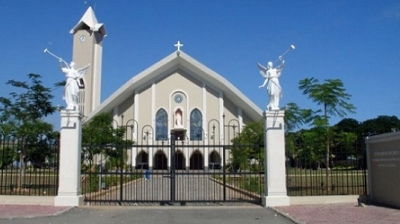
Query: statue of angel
[71,89]
[274,89]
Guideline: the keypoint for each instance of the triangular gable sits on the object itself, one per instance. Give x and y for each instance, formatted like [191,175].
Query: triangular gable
[89,19]
[169,64]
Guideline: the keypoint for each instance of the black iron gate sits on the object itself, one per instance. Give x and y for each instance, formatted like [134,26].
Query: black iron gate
[175,171]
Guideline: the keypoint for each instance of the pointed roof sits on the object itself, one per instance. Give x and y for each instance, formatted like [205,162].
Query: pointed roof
[179,60]
[89,19]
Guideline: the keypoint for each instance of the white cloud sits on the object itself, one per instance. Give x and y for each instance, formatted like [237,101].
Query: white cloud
[392,13]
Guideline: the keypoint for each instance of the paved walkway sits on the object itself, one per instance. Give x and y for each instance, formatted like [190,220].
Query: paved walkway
[340,213]
[310,214]
[29,211]
[188,187]
[158,215]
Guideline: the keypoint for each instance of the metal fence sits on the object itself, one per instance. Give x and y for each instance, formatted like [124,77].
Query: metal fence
[313,170]
[28,165]
[176,170]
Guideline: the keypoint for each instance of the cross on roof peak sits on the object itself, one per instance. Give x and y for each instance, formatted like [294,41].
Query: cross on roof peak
[178,45]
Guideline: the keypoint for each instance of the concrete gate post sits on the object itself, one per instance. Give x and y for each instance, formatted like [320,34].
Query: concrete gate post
[275,169]
[69,189]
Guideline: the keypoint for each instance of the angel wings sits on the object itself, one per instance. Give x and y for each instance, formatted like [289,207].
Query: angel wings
[82,73]
[263,70]
[73,73]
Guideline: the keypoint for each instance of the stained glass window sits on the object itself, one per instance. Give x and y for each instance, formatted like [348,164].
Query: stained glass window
[196,125]
[161,125]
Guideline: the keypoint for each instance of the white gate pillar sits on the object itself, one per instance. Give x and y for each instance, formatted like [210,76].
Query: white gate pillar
[69,189]
[275,169]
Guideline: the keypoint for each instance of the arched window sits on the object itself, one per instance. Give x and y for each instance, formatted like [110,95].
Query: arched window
[196,125]
[161,125]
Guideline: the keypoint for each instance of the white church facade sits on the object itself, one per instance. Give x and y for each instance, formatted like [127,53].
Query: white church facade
[177,94]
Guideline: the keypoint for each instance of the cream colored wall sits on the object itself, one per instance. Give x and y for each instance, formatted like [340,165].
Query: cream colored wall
[145,117]
[230,110]
[246,119]
[193,92]
[178,82]
[126,109]
[163,92]
[191,89]
[212,98]
[232,121]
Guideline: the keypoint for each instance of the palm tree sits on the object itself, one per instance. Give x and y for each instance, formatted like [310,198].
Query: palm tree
[332,96]
[295,117]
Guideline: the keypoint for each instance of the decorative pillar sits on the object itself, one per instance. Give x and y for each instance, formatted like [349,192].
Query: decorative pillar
[187,157]
[275,169]
[150,151]
[69,189]
[134,157]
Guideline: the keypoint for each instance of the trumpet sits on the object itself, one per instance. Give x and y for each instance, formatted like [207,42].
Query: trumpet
[50,53]
[292,47]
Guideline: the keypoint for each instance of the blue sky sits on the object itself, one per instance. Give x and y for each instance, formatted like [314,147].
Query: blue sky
[355,41]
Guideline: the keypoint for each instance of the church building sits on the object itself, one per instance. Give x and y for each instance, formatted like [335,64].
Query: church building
[177,94]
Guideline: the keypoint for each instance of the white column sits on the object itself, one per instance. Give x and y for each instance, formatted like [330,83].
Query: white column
[134,157]
[221,118]
[240,118]
[275,169]
[187,158]
[69,189]
[116,118]
[150,152]
[136,130]
[205,128]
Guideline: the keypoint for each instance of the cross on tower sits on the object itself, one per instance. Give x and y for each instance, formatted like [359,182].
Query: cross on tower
[178,45]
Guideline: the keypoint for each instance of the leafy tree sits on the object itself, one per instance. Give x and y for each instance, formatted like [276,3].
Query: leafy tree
[345,145]
[247,147]
[380,125]
[295,116]
[22,113]
[332,96]
[7,156]
[348,125]
[293,147]
[349,139]
[101,138]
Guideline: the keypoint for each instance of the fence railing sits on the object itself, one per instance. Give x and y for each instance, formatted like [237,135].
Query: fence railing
[28,166]
[174,177]
[308,173]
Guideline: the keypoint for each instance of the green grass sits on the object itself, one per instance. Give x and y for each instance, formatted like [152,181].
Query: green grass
[305,182]
[341,181]
[39,182]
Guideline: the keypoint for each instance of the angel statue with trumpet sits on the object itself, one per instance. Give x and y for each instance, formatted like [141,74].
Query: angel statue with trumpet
[71,88]
[271,75]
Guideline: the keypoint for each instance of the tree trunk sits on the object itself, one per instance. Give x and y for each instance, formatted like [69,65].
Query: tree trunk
[22,165]
[327,165]
[327,151]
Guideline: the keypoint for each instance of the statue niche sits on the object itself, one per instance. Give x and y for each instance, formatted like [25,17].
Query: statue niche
[178,123]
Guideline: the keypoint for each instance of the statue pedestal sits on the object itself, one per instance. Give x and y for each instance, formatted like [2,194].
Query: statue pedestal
[69,189]
[275,169]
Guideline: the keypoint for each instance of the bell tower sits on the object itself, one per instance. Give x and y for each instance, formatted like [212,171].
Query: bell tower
[88,37]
